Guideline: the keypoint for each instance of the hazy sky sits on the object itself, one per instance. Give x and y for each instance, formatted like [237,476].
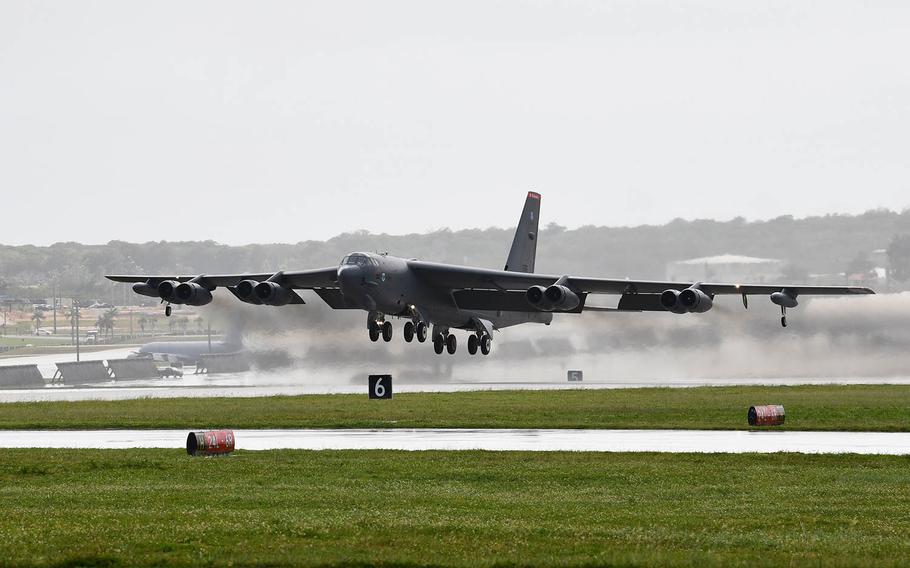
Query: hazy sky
[285,121]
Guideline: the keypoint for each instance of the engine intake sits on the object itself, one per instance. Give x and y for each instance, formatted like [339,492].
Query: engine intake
[695,301]
[272,294]
[561,298]
[246,291]
[167,291]
[536,296]
[193,294]
[692,299]
[669,299]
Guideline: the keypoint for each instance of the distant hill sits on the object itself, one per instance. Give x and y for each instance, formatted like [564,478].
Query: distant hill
[826,244]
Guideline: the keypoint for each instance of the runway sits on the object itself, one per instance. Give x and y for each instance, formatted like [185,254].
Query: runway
[275,384]
[667,441]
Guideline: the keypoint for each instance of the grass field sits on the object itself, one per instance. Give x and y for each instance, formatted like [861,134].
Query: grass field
[154,507]
[830,407]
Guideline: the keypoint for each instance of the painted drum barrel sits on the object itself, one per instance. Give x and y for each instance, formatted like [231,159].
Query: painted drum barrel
[210,443]
[766,415]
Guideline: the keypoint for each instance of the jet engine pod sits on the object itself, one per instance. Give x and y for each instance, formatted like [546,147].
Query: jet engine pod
[785,299]
[167,291]
[193,294]
[669,299]
[694,300]
[537,297]
[561,298]
[272,294]
[145,289]
[246,291]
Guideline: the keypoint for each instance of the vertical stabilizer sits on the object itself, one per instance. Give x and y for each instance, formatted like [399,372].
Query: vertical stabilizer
[524,245]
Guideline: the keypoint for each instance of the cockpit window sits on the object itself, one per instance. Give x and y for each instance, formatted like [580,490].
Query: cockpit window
[357,260]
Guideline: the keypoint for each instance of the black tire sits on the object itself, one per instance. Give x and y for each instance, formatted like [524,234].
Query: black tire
[409,332]
[421,332]
[374,333]
[387,331]
[486,344]
[438,344]
[167,311]
[451,344]
[473,342]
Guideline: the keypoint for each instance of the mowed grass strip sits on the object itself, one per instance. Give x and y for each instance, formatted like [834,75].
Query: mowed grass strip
[828,407]
[161,507]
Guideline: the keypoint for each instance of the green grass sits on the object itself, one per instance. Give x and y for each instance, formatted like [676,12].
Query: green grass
[154,507]
[871,408]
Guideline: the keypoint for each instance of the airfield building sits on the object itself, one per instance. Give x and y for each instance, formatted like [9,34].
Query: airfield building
[726,268]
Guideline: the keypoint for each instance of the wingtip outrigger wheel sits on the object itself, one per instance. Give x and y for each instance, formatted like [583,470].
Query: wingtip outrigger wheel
[167,311]
[783,316]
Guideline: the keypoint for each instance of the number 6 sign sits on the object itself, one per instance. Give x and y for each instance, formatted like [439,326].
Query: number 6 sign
[380,386]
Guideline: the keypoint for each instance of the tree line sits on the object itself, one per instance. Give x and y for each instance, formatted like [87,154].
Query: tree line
[821,244]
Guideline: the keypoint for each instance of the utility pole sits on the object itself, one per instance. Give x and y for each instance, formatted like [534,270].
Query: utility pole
[210,336]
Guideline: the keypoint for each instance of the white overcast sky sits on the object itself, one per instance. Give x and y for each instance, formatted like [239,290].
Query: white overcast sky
[285,121]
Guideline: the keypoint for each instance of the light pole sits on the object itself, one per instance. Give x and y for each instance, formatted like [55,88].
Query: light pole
[76,308]
[55,307]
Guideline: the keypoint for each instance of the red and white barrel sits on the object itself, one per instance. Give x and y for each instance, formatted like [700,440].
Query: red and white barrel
[210,443]
[766,415]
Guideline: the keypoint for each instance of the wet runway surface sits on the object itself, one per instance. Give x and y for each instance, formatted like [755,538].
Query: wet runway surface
[696,441]
[252,385]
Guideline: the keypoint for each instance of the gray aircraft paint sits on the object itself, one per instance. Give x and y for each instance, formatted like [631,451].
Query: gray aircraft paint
[439,294]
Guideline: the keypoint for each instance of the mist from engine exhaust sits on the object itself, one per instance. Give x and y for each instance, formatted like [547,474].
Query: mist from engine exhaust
[828,337]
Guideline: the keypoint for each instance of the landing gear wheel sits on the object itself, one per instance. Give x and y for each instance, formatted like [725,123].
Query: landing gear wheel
[409,331]
[167,311]
[373,328]
[486,344]
[472,344]
[451,344]
[783,321]
[439,344]
[421,331]
[387,331]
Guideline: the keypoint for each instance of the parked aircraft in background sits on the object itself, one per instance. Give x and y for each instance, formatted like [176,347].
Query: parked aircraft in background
[449,297]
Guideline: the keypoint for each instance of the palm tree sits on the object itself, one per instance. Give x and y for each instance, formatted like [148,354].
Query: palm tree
[109,320]
[37,317]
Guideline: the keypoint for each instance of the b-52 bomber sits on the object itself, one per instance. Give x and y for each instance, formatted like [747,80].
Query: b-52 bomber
[448,297]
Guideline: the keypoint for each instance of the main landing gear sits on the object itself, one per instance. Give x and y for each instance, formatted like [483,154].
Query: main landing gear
[412,330]
[483,341]
[379,328]
[445,340]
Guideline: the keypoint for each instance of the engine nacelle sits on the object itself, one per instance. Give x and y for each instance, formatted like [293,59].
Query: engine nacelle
[193,294]
[694,300]
[246,291]
[669,299]
[272,294]
[146,289]
[536,296]
[561,298]
[785,299]
[167,291]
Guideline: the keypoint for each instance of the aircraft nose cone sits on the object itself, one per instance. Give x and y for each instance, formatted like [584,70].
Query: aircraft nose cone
[350,278]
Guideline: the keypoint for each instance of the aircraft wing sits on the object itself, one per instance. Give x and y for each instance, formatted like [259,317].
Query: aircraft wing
[300,280]
[465,278]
